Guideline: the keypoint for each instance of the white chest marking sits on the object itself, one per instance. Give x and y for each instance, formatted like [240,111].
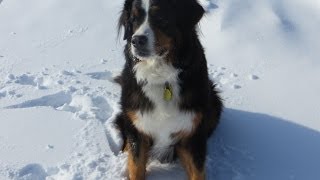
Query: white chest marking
[166,118]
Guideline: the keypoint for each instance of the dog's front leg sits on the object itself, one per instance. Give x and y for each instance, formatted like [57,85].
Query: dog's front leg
[137,158]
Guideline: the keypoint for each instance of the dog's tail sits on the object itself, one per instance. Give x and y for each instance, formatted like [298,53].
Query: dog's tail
[216,99]
[216,108]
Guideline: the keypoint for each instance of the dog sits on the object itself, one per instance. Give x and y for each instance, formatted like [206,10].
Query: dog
[169,106]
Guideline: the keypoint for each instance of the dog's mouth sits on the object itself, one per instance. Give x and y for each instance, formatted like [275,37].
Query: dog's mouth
[136,60]
[140,56]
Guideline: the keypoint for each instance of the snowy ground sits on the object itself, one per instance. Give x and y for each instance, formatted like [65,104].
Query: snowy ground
[57,98]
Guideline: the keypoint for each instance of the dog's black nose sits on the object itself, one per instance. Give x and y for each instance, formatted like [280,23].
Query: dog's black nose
[139,41]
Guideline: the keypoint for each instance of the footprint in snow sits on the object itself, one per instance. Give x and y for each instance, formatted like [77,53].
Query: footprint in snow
[253,77]
[19,95]
[106,75]
[235,86]
[3,94]
[10,94]
[103,61]
[26,79]
[32,171]
[66,73]
[234,75]
[10,77]
[49,146]
[60,82]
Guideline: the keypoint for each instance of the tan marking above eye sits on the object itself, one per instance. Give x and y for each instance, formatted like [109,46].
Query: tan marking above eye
[135,12]
[154,8]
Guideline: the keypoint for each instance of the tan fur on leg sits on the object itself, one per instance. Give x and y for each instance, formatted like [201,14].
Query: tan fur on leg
[137,165]
[187,161]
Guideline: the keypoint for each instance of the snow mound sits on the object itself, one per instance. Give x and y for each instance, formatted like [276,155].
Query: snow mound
[88,107]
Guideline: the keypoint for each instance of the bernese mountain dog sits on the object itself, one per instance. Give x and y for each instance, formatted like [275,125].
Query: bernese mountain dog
[169,106]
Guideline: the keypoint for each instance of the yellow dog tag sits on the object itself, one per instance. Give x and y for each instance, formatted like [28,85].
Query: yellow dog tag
[167,93]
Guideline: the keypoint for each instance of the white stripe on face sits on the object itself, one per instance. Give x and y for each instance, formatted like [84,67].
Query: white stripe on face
[145,29]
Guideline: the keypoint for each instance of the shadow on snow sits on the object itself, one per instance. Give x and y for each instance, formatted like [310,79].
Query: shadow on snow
[250,145]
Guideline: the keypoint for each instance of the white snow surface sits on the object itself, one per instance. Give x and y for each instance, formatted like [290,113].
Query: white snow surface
[58,101]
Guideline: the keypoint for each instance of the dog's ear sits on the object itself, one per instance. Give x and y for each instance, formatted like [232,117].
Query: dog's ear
[189,12]
[124,20]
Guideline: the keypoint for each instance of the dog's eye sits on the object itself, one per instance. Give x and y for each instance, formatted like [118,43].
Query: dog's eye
[133,18]
[160,20]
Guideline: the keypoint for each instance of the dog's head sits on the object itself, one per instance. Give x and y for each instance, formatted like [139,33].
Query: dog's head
[152,28]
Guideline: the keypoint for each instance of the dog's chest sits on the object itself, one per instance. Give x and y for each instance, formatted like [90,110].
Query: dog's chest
[163,122]
[165,119]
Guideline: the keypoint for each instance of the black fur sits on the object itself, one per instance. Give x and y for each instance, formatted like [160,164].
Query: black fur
[197,92]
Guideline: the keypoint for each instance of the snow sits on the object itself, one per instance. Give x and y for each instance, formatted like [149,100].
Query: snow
[58,101]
